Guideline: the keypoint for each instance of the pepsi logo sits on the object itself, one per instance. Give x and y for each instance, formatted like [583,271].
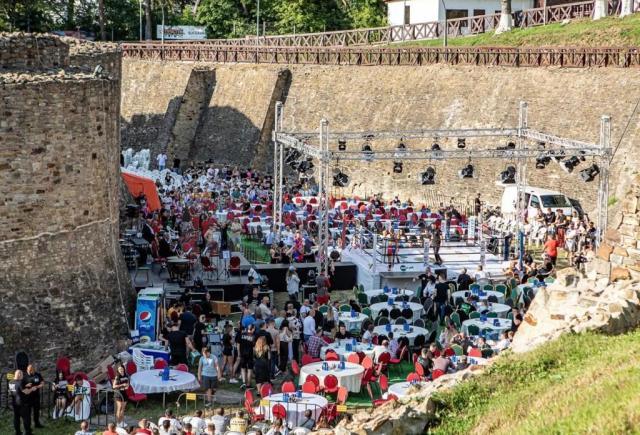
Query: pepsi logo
[145,315]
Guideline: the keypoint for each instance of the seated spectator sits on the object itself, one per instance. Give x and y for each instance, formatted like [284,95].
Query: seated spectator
[367,336]
[464,281]
[503,343]
[442,363]
[111,429]
[197,423]
[278,428]
[220,421]
[308,422]
[84,428]
[211,429]
[425,360]
[188,430]
[394,345]
[238,423]
[174,423]
[143,428]
[380,349]
[166,429]
[342,333]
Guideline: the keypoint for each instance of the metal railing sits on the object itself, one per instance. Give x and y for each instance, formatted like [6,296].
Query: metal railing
[569,57]
[419,31]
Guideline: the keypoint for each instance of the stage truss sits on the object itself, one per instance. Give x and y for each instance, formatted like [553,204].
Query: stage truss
[326,160]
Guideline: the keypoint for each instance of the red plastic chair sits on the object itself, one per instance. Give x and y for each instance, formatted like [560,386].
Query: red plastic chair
[295,368]
[266,390]
[314,379]
[413,377]
[248,406]
[436,374]
[159,363]
[331,356]
[93,388]
[330,384]
[279,411]
[248,396]
[367,363]
[383,362]
[234,265]
[353,358]
[288,387]
[308,359]
[134,397]
[449,352]
[131,368]
[419,369]
[309,388]
[475,352]
[390,398]
[182,367]
[415,357]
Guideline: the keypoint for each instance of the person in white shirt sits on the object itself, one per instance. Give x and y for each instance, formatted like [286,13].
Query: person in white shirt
[265,311]
[220,421]
[198,424]
[367,336]
[305,308]
[309,325]
[176,426]
[293,283]
[480,274]
[162,160]
[380,349]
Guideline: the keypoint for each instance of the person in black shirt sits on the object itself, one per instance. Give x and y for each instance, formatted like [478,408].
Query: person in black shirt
[19,389]
[477,205]
[178,342]
[464,281]
[60,394]
[37,383]
[187,321]
[426,278]
[342,333]
[245,350]
[261,326]
[120,385]
[436,241]
[441,295]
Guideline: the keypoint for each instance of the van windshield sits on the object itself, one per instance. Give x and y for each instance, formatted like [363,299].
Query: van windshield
[555,201]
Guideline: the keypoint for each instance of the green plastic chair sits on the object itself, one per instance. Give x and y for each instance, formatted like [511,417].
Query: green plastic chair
[367,311]
[510,315]
[487,288]
[492,315]
[345,308]
[474,315]
[473,330]
[418,292]
[515,292]
[513,283]
[362,299]
[323,309]
[473,287]
[382,321]
[487,353]
[457,349]
[455,318]
[532,280]
[502,288]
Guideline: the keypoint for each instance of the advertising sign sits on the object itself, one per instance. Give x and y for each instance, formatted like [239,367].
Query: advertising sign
[146,318]
[176,33]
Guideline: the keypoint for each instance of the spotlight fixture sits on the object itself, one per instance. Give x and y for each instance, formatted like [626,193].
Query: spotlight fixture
[462,142]
[340,179]
[397,167]
[367,152]
[558,154]
[428,177]
[508,146]
[542,161]
[570,164]
[401,149]
[590,173]
[508,176]
[342,145]
[304,165]
[467,172]
[435,147]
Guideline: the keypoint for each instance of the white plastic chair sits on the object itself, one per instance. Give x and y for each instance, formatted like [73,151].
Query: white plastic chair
[142,361]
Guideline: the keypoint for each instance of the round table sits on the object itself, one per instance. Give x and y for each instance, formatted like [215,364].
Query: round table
[150,381]
[401,388]
[352,323]
[339,347]
[380,291]
[416,308]
[461,294]
[350,377]
[295,410]
[502,325]
[398,331]
[500,309]
[471,360]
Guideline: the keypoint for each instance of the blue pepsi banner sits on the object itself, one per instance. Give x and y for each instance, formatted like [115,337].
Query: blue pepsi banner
[146,318]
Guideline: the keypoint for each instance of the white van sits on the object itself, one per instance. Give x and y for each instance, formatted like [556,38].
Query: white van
[536,198]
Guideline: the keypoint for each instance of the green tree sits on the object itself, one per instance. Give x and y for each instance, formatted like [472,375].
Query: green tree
[25,15]
[308,16]
[365,13]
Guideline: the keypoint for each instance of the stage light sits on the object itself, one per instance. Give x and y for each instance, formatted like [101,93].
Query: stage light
[508,176]
[558,154]
[401,149]
[467,172]
[428,177]
[462,142]
[340,179]
[304,165]
[435,147]
[569,164]
[542,161]
[590,173]
[397,167]
[511,146]
[367,152]
[342,145]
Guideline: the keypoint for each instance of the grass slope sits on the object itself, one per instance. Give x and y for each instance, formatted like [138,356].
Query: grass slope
[607,32]
[584,383]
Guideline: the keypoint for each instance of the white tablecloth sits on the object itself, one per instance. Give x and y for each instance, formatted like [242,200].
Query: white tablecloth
[460,294]
[150,381]
[295,411]
[500,309]
[398,332]
[378,292]
[400,389]
[471,360]
[417,308]
[350,377]
[352,323]
[339,347]
[503,325]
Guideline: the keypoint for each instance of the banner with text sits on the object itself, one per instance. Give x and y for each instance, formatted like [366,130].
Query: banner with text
[181,32]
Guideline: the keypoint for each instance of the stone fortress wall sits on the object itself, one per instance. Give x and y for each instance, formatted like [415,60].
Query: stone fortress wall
[64,286]
[565,102]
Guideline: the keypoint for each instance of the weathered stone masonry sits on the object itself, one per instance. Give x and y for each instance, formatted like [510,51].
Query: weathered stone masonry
[64,286]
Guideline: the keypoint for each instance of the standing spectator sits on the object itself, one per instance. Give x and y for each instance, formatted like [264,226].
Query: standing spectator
[295,327]
[37,383]
[315,344]
[322,289]
[120,385]
[161,158]
[551,248]
[293,283]
[261,365]
[464,280]
[436,241]
[245,350]
[178,342]
[309,325]
[208,374]
[441,296]
[285,349]
[21,411]
[274,345]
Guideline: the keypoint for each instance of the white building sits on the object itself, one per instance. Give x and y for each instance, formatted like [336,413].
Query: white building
[401,12]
